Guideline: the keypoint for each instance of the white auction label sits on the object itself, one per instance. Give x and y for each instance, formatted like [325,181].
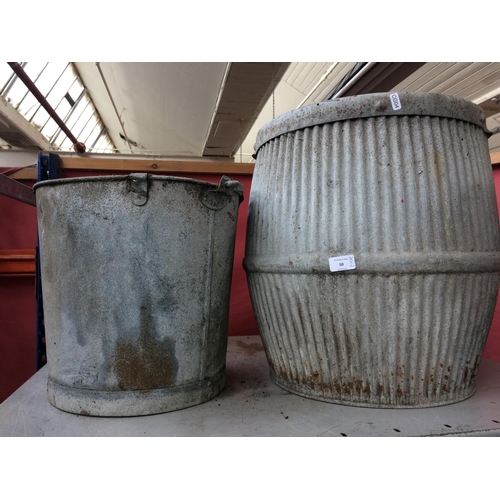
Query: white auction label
[342,263]
[396,103]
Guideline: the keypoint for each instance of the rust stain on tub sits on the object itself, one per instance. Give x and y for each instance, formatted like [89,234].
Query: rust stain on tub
[145,364]
[336,386]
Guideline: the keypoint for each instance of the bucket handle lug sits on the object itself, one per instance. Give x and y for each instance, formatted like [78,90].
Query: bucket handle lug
[138,187]
[493,131]
[217,199]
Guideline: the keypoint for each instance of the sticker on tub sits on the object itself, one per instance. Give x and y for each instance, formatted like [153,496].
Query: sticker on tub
[342,263]
[396,103]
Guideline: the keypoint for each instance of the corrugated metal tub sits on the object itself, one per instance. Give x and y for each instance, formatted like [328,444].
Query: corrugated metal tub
[136,274]
[373,249]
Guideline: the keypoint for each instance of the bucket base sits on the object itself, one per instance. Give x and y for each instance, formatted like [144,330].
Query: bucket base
[329,395]
[133,403]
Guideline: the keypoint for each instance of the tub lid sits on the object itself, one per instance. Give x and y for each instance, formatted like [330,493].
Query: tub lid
[372,105]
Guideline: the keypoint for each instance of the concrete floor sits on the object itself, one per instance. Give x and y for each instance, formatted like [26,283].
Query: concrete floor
[252,405]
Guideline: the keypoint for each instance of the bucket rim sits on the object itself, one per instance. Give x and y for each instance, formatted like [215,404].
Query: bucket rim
[371,106]
[120,178]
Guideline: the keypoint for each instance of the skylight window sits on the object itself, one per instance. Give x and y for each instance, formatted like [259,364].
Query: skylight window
[60,84]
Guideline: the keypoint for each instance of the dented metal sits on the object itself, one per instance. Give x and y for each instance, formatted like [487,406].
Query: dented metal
[409,193]
[136,275]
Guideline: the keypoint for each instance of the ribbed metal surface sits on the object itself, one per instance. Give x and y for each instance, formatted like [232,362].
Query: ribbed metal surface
[412,198]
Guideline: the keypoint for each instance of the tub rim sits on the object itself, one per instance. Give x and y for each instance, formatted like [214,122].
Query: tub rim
[371,106]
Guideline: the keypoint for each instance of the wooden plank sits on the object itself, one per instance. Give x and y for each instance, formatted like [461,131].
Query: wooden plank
[162,167]
[17,262]
[166,166]
[28,173]
[156,166]
[495,158]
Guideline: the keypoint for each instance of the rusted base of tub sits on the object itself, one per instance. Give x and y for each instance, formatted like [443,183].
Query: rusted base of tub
[133,403]
[329,394]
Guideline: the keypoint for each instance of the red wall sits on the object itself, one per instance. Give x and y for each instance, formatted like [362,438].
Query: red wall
[17,333]
[492,348]
[17,295]
[17,300]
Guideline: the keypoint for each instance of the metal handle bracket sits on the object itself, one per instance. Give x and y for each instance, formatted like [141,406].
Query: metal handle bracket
[216,199]
[138,187]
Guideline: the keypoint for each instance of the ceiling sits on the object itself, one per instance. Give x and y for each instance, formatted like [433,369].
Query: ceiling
[180,109]
[213,110]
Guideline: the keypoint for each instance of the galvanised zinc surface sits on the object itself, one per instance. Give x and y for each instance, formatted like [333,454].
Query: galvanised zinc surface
[412,198]
[136,274]
[370,106]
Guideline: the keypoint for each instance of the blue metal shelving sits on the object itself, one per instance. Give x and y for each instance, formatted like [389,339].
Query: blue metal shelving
[48,168]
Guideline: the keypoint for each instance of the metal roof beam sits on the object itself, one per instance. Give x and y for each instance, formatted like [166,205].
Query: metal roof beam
[382,77]
[18,132]
[245,91]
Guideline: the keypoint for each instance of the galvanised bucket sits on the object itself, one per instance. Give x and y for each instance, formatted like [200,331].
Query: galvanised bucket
[373,249]
[136,274]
